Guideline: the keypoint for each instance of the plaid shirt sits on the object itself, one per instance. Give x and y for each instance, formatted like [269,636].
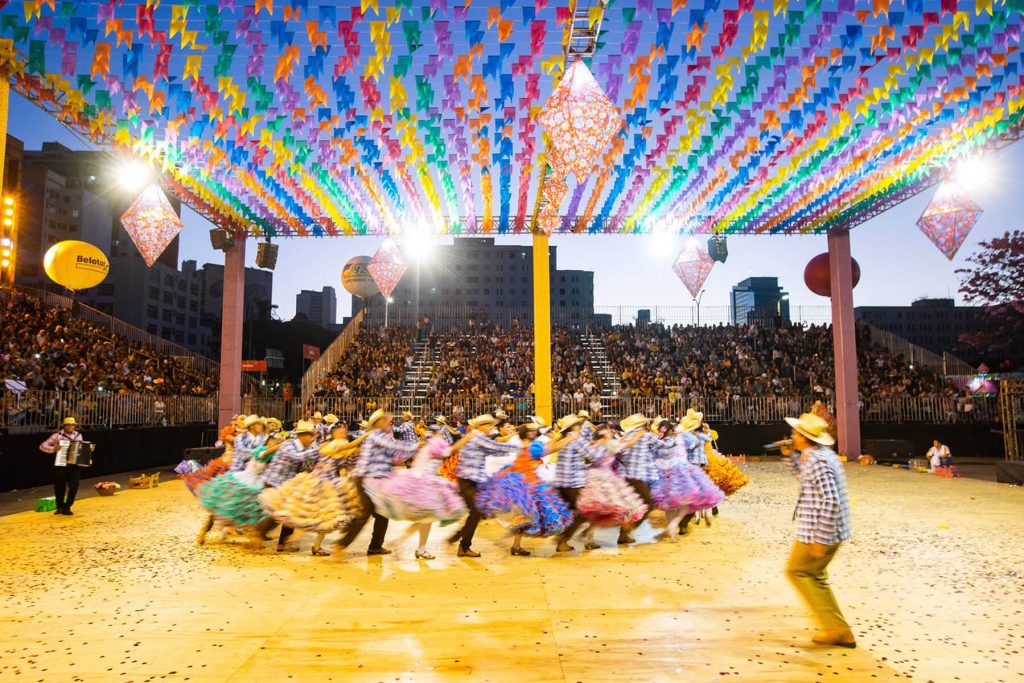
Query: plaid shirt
[473,456]
[405,432]
[637,461]
[379,452]
[823,508]
[694,445]
[288,460]
[587,431]
[569,470]
[243,448]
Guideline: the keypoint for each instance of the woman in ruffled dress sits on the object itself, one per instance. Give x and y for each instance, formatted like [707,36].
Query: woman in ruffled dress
[607,500]
[419,494]
[682,488]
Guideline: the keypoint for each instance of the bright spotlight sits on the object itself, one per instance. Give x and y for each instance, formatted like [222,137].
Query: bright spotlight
[134,175]
[390,300]
[419,246]
[974,174]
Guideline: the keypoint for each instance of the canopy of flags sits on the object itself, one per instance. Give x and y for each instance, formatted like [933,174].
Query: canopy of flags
[332,117]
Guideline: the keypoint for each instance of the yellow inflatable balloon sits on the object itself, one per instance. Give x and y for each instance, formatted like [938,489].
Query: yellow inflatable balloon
[76,265]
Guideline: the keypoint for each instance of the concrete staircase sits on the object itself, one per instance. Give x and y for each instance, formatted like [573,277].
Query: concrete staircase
[603,371]
[417,378]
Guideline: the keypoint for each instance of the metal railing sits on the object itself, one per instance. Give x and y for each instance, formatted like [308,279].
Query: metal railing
[444,318]
[36,411]
[332,355]
[723,409]
[911,353]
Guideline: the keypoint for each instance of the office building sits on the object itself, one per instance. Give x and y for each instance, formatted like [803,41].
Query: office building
[476,278]
[256,304]
[318,307]
[934,324]
[758,299]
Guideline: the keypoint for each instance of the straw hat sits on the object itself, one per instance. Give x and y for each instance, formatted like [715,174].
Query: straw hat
[441,420]
[70,421]
[318,415]
[338,425]
[813,427]
[634,421]
[568,422]
[331,418]
[583,414]
[273,421]
[482,420]
[500,414]
[538,420]
[363,426]
[691,421]
[251,420]
[406,415]
[304,427]
[377,416]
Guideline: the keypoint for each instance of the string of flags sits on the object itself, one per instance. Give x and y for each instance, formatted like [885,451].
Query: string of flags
[327,117]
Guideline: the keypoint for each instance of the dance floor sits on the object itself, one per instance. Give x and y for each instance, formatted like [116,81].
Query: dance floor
[120,592]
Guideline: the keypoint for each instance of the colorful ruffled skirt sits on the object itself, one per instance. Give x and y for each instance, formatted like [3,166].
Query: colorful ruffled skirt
[523,507]
[682,485]
[416,495]
[609,501]
[214,468]
[449,466]
[726,475]
[233,497]
[311,501]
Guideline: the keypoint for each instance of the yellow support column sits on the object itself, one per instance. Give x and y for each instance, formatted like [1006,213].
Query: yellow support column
[541,327]
[5,100]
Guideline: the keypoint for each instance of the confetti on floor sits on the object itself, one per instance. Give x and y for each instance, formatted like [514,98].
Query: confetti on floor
[120,592]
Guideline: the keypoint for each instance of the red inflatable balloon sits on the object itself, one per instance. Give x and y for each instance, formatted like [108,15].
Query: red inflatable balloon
[818,278]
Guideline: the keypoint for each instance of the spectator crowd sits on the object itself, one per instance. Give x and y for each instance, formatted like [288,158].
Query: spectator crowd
[50,349]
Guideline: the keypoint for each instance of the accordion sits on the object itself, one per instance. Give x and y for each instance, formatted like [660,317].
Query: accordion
[80,453]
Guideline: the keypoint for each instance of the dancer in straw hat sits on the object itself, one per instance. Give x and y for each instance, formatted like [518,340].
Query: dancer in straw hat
[636,462]
[822,524]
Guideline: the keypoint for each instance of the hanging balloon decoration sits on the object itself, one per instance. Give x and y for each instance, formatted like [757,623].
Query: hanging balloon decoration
[949,218]
[75,265]
[387,267]
[356,278]
[693,265]
[818,275]
[152,223]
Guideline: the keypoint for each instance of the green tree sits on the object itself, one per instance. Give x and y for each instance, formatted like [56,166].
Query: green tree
[995,280]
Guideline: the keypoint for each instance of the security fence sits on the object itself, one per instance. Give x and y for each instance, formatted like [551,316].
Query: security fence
[34,411]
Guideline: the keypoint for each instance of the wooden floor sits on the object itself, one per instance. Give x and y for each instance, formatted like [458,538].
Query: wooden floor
[120,592]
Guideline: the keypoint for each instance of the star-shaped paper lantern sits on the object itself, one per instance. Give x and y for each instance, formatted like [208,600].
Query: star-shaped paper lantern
[693,265]
[151,223]
[949,218]
[387,267]
[580,120]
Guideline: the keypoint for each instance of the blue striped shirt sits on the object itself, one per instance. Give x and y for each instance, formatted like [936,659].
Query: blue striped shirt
[694,445]
[288,460]
[637,461]
[570,472]
[378,453]
[405,432]
[473,456]
[823,508]
[242,449]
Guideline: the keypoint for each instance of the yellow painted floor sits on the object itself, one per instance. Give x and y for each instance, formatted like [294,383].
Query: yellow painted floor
[120,592]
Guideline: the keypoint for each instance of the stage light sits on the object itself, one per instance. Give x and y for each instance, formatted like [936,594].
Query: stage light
[222,239]
[418,245]
[8,201]
[6,242]
[974,174]
[133,175]
[390,300]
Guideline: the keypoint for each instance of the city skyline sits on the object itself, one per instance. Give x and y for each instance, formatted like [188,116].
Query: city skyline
[898,263]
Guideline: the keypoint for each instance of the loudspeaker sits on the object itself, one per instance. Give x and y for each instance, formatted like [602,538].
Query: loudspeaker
[717,249]
[222,239]
[1010,472]
[266,255]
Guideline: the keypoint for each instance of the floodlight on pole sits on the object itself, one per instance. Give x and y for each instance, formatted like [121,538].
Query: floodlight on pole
[133,175]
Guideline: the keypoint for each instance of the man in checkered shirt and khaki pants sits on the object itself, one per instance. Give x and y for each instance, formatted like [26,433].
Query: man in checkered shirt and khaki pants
[823,522]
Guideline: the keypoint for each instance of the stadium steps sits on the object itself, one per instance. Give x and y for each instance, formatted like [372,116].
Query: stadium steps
[603,370]
[416,383]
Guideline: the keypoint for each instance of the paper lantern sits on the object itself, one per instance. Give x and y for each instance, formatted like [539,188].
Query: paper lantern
[693,265]
[75,265]
[387,267]
[948,219]
[818,275]
[151,223]
[356,278]
[580,120]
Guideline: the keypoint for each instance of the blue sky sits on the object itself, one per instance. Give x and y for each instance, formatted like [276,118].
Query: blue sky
[898,263]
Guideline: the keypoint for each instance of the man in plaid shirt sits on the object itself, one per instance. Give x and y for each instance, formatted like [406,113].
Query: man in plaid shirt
[822,523]
[471,471]
[636,463]
[405,430]
[570,472]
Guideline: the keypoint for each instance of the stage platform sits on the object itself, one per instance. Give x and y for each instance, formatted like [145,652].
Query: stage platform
[120,592]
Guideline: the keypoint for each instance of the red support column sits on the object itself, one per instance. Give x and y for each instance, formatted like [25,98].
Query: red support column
[844,341]
[232,311]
